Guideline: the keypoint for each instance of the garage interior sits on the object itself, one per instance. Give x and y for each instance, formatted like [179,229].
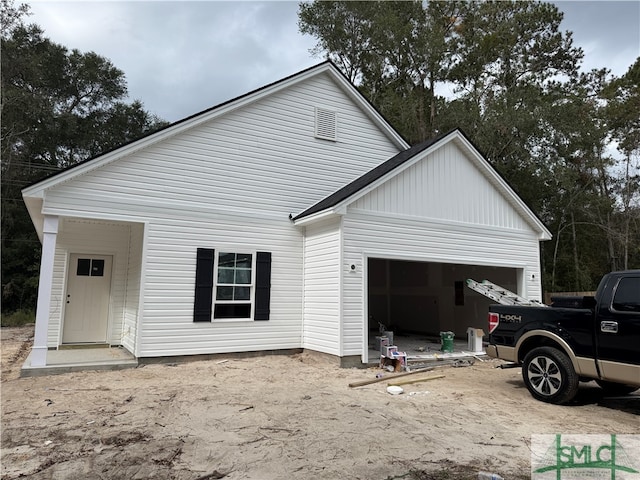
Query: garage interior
[418,300]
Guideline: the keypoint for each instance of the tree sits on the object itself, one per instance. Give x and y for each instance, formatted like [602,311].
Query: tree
[343,30]
[505,59]
[59,107]
[517,91]
[622,114]
[496,55]
[11,16]
[623,97]
[397,52]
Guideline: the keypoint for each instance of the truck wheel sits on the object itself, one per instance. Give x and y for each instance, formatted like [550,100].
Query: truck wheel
[549,375]
[615,389]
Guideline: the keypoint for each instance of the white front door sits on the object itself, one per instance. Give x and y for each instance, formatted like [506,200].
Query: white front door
[86,315]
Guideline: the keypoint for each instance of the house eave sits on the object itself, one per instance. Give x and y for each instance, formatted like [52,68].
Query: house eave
[544,236]
[34,207]
[319,216]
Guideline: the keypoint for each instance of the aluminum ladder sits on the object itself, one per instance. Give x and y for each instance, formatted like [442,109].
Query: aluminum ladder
[501,295]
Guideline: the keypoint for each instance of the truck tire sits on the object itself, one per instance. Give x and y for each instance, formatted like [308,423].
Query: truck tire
[615,389]
[549,375]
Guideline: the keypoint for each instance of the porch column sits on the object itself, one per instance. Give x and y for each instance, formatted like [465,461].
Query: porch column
[49,236]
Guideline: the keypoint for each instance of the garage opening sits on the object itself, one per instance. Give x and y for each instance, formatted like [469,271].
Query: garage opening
[422,299]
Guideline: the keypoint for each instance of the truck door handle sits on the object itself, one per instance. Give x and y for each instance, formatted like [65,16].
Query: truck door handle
[609,327]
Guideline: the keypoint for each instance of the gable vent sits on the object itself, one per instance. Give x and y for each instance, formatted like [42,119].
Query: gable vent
[326,124]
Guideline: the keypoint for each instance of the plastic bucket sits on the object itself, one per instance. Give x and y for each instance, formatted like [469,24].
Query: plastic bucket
[446,342]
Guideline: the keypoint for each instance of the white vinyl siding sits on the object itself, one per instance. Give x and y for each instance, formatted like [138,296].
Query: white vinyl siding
[445,185]
[263,157]
[169,328]
[90,237]
[229,185]
[132,295]
[322,288]
[56,307]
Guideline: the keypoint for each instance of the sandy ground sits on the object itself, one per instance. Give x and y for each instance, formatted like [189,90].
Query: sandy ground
[279,417]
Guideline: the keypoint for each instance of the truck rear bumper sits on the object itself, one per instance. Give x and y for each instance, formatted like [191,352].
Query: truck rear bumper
[502,352]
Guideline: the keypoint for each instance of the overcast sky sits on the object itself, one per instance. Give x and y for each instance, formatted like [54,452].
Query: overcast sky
[182,57]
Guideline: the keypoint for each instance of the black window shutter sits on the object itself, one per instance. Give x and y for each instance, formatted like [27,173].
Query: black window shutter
[204,285]
[263,285]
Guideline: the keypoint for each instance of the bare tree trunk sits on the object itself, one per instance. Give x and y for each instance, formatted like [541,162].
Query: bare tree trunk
[608,222]
[626,246]
[432,97]
[555,258]
[422,128]
[626,213]
[575,254]
[610,245]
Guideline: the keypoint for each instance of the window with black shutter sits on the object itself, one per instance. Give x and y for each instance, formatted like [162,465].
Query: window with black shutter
[232,285]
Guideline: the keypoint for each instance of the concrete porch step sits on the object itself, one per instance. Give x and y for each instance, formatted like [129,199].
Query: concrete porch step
[81,359]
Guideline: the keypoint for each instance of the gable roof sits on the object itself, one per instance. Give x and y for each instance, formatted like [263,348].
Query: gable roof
[337,202]
[371,176]
[36,189]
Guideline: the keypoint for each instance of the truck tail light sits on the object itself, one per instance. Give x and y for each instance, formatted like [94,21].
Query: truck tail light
[494,320]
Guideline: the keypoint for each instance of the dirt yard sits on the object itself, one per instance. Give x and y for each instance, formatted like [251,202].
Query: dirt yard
[279,417]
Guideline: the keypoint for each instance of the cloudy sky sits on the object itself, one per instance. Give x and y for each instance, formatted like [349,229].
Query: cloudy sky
[182,57]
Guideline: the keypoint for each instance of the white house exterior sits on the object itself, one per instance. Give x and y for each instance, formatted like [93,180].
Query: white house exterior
[256,226]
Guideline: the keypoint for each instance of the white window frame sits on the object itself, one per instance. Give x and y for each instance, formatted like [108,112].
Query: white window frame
[252,286]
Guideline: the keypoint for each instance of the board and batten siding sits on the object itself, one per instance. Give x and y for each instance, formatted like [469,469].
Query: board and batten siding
[90,237]
[322,246]
[228,184]
[444,185]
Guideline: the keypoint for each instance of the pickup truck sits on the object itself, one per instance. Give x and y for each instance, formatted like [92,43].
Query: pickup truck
[576,339]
